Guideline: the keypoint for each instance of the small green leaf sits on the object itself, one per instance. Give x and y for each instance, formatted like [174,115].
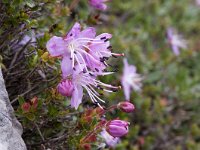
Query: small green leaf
[30,3]
[30,116]
[21,100]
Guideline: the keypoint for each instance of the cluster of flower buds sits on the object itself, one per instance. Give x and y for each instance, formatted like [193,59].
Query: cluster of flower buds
[84,58]
[28,106]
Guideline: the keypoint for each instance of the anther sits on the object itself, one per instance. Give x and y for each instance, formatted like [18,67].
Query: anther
[98,87]
[105,58]
[84,70]
[102,59]
[114,90]
[109,47]
[114,56]
[106,40]
[97,69]
[103,38]
[91,74]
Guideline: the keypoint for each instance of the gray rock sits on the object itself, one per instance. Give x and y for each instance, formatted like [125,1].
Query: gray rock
[10,128]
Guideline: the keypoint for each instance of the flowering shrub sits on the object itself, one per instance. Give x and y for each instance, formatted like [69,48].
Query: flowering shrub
[83,60]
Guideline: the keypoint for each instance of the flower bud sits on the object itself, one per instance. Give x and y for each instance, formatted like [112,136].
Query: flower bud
[117,128]
[26,107]
[34,102]
[65,88]
[86,146]
[126,106]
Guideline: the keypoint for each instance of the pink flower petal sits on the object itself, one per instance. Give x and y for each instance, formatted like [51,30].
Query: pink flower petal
[77,96]
[66,66]
[75,30]
[56,46]
[87,33]
[127,90]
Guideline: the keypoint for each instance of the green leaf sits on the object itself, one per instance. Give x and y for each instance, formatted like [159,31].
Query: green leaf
[21,100]
[30,116]
[30,3]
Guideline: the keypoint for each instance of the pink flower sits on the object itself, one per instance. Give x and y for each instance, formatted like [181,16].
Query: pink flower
[198,2]
[117,128]
[110,140]
[88,81]
[176,41]
[84,57]
[126,107]
[98,4]
[130,79]
[81,47]
[65,88]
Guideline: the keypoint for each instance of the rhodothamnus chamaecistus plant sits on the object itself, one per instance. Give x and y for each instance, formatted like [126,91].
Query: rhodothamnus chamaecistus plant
[83,58]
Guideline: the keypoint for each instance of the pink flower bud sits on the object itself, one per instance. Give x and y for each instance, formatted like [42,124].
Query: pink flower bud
[65,88]
[126,106]
[34,102]
[26,107]
[117,128]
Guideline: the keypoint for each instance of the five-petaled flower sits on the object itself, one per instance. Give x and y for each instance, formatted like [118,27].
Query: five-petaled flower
[87,80]
[130,79]
[176,41]
[84,57]
[82,47]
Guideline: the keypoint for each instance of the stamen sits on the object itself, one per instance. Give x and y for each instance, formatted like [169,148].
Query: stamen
[106,40]
[107,85]
[91,74]
[97,69]
[102,38]
[106,58]
[107,90]
[109,47]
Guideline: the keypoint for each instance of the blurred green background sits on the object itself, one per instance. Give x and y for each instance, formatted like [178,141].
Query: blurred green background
[167,109]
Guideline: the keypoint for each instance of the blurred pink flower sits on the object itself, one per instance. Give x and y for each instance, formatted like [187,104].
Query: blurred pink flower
[126,106]
[130,79]
[176,41]
[110,140]
[198,2]
[98,4]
